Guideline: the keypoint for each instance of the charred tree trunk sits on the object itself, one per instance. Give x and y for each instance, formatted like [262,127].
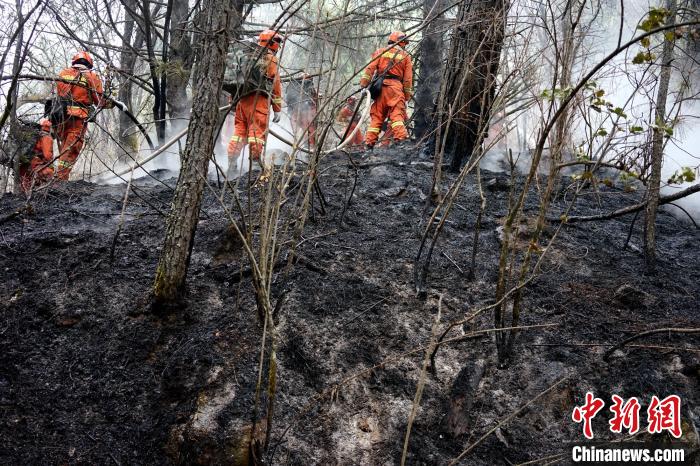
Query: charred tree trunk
[657,149]
[217,21]
[470,75]
[180,61]
[430,67]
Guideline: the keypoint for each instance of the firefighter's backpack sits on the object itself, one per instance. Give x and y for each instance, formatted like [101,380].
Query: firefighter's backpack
[56,110]
[246,70]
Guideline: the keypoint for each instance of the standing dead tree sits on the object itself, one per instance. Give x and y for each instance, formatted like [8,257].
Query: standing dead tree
[430,66]
[470,78]
[217,21]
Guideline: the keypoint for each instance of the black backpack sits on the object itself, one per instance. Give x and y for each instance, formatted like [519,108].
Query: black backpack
[246,70]
[56,110]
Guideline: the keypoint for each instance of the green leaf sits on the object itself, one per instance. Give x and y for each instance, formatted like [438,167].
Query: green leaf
[646,42]
[686,175]
[596,108]
[646,25]
[601,132]
[618,111]
[636,129]
[643,57]
[599,93]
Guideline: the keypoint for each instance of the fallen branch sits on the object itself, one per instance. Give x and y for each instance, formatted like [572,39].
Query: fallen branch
[609,352]
[631,209]
[506,419]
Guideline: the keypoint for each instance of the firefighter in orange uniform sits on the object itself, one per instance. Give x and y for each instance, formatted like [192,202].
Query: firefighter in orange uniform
[252,110]
[302,104]
[345,115]
[388,135]
[38,169]
[395,65]
[80,97]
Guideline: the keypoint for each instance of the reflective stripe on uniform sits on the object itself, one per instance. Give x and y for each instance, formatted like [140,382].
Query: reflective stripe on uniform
[396,123]
[254,140]
[235,138]
[364,76]
[398,56]
[81,79]
[64,164]
[277,100]
[373,130]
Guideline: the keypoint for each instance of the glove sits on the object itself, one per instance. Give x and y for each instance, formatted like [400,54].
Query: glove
[277,117]
[120,105]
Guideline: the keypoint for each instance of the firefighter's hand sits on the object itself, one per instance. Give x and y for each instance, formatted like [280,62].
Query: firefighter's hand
[120,105]
[276,118]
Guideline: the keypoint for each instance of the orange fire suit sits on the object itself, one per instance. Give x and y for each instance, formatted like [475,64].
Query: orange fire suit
[38,169]
[388,135]
[395,64]
[344,116]
[71,132]
[304,118]
[252,113]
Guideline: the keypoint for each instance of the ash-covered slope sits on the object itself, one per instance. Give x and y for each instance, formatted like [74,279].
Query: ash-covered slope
[88,375]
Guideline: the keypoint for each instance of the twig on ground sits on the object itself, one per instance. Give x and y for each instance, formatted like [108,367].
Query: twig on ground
[507,419]
[609,352]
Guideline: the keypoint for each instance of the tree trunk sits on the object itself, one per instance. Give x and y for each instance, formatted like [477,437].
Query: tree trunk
[565,64]
[152,67]
[180,61]
[657,149]
[430,67]
[14,93]
[470,75]
[218,20]
[127,137]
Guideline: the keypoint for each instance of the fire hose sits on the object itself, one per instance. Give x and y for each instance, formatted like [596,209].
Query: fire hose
[226,108]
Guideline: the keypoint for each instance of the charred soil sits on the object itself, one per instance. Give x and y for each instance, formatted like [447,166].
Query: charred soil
[89,376]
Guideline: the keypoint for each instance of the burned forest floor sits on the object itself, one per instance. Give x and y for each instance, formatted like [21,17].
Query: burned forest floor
[89,375]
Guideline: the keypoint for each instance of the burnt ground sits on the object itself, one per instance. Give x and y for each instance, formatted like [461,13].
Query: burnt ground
[90,376]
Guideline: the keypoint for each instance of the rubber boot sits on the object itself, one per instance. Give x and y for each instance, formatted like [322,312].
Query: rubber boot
[232,170]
